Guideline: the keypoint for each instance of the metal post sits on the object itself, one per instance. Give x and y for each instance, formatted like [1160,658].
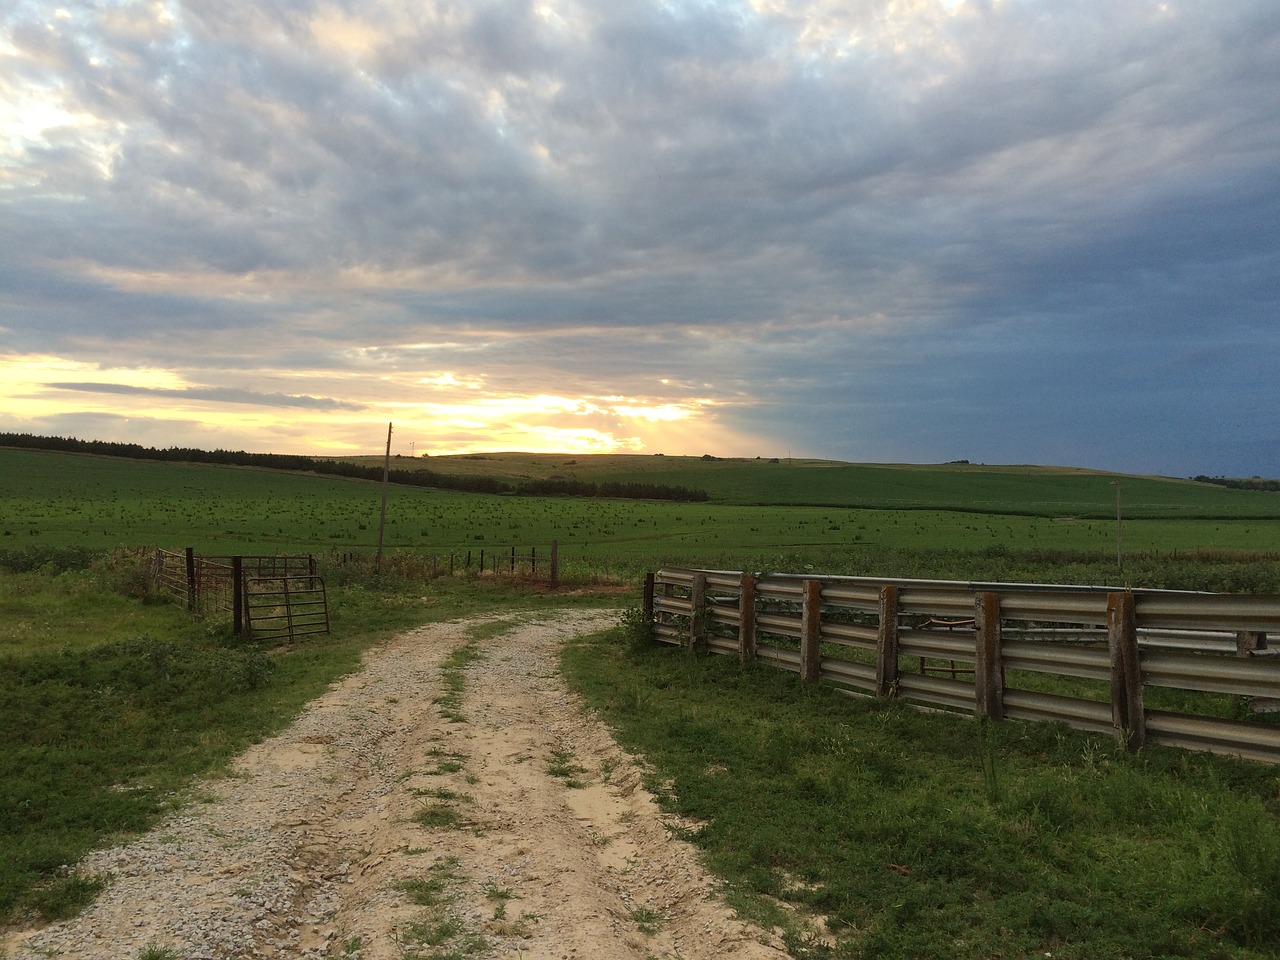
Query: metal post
[191,578]
[382,519]
[1119,551]
[237,594]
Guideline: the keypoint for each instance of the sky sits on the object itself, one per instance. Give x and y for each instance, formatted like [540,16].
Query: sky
[1005,231]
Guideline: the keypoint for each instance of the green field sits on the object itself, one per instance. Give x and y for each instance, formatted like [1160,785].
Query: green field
[54,499]
[1038,491]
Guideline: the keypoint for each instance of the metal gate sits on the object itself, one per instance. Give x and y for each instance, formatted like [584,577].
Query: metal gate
[285,607]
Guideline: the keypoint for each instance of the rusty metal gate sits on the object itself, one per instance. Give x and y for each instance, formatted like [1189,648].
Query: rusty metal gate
[287,607]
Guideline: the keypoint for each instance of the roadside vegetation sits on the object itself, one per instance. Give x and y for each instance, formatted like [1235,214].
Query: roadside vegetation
[112,701]
[868,830]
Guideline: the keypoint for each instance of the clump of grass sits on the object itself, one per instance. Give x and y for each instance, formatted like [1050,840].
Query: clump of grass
[445,762]
[63,896]
[454,681]
[566,767]
[433,889]
[439,808]
[438,931]
[636,628]
[438,816]
[646,920]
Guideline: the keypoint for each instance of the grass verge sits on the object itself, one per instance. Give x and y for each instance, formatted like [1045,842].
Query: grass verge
[867,830]
[110,705]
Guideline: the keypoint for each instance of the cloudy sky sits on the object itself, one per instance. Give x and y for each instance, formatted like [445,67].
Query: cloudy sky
[1009,231]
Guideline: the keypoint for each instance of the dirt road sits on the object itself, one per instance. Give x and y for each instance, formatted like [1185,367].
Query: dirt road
[384,823]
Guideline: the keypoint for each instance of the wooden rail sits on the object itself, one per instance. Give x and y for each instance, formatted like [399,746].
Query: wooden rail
[1094,658]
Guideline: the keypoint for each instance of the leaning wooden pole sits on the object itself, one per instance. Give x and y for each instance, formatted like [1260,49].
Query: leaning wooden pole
[382,519]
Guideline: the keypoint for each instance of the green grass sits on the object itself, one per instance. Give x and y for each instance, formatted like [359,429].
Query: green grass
[437,932]
[110,705]
[902,834]
[436,888]
[61,500]
[565,766]
[1044,491]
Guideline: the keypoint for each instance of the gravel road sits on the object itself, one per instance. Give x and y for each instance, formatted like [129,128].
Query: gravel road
[385,824]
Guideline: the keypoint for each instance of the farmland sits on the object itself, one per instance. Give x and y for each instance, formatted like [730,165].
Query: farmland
[972,841]
[891,521]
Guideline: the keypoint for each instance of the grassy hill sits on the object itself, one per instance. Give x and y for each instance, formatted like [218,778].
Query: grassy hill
[54,499]
[972,488]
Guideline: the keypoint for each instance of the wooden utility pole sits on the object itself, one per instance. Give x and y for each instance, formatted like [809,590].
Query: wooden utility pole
[1119,550]
[382,520]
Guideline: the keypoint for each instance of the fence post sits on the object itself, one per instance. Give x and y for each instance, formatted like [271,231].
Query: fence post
[513,561]
[191,578]
[237,594]
[698,614]
[1128,718]
[288,606]
[989,670]
[811,633]
[533,561]
[1247,641]
[887,643]
[555,563]
[747,619]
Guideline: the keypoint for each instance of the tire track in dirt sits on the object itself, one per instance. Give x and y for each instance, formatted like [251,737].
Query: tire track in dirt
[522,826]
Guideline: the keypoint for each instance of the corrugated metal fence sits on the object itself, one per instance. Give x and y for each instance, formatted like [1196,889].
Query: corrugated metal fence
[1190,670]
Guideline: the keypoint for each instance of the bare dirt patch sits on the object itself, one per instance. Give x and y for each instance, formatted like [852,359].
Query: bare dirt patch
[385,824]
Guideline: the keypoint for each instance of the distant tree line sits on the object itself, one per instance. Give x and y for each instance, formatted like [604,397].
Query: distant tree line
[339,468]
[562,487]
[1241,483]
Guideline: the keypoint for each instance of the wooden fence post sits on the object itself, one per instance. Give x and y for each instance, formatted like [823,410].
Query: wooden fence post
[811,633]
[887,643]
[698,614]
[1128,718]
[555,563]
[988,677]
[747,619]
[1247,641]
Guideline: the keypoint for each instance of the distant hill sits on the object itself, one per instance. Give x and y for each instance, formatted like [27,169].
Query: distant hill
[961,486]
[979,488]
